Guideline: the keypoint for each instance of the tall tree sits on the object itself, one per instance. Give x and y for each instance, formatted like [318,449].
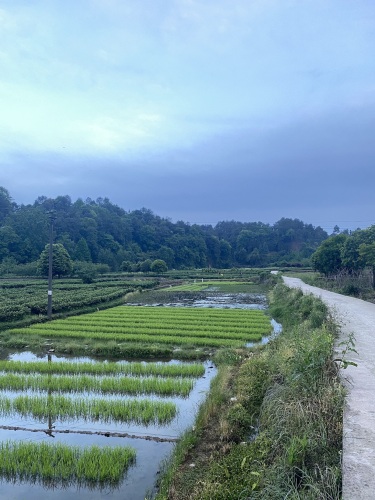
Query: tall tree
[61,261]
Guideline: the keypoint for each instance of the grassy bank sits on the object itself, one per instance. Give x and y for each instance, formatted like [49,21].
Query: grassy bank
[272,425]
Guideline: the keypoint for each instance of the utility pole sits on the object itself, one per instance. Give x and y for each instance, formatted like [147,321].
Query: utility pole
[52,217]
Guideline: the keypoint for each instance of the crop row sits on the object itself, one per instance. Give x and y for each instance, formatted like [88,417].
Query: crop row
[124,311]
[199,317]
[20,298]
[57,328]
[134,368]
[21,303]
[160,339]
[104,385]
[61,465]
[140,411]
[168,322]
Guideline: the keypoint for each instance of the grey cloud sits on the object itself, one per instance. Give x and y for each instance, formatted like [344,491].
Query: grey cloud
[320,170]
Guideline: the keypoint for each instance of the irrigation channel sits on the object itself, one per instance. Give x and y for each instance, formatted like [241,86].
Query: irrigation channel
[152,441]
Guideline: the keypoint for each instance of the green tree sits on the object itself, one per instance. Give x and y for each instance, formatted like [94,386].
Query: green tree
[165,253]
[87,271]
[145,266]
[159,266]
[126,266]
[61,261]
[367,254]
[5,203]
[350,253]
[82,251]
[327,258]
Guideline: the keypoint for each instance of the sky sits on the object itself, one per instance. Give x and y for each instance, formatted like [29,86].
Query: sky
[200,110]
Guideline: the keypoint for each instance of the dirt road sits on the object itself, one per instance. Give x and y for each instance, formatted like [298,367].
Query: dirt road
[357,317]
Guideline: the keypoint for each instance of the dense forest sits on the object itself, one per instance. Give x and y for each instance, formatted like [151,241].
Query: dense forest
[99,231]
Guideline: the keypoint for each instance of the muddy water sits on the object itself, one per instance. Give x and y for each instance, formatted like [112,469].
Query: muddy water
[141,477]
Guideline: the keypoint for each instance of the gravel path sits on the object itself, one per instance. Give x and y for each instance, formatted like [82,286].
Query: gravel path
[357,317]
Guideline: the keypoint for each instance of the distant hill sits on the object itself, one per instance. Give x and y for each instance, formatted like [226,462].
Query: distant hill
[101,232]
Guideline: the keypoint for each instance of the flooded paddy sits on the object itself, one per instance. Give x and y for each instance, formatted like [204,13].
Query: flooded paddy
[152,442]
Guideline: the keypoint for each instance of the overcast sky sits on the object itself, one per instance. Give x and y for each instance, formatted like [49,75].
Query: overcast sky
[200,110]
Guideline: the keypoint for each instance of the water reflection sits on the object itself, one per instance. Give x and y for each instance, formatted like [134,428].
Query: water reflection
[141,477]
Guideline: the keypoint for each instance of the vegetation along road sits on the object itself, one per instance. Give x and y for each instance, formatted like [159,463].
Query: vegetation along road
[356,319]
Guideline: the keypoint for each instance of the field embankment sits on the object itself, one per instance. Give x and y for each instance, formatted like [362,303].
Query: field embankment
[271,426]
[357,321]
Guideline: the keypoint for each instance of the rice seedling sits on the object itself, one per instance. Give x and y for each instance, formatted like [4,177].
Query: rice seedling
[134,368]
[213,333]
[173,326]
[56,464]
[140,411]
[103,385]
[162,339]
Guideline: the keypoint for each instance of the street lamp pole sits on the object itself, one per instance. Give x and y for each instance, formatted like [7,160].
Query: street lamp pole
[49,305]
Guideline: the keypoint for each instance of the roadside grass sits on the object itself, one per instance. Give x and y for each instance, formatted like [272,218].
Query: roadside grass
[275,426]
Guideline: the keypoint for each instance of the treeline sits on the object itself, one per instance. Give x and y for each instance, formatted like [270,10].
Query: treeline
[101,232]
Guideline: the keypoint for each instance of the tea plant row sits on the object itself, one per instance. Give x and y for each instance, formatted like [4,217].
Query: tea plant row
[22,298]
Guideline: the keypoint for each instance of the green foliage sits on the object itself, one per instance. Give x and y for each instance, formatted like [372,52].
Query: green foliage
[126,266]
[347,348]
[327,259]
[82,251]
[61,262]
[288,405]
[21,299]
[145,266]
[292,307]
[86,271]
[101,232]
[159,266]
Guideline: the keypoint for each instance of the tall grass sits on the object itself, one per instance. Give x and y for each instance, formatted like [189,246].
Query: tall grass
[61,465]
[286,411]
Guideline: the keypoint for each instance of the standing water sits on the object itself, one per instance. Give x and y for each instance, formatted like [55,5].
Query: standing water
[153,443]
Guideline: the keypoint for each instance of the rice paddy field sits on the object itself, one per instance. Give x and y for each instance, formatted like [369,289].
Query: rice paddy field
[100,428]
[200,327]
[214,285]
